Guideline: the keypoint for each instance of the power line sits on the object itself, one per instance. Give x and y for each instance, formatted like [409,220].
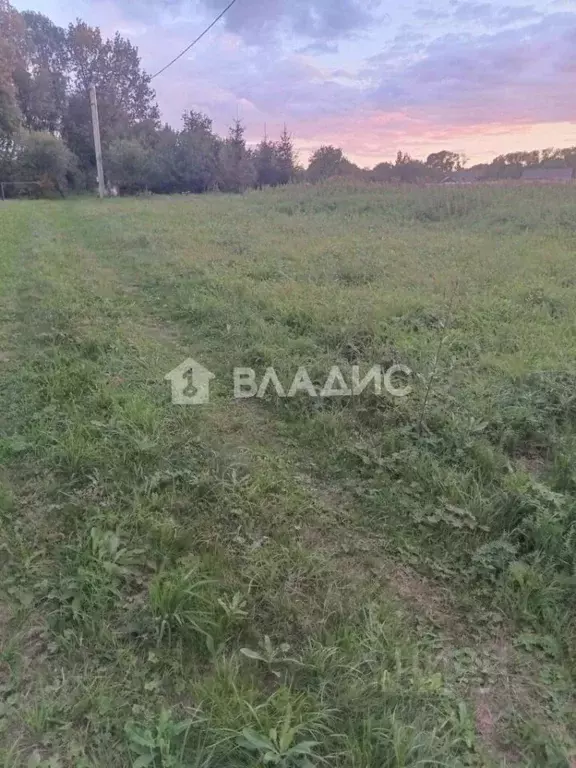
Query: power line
[193,43]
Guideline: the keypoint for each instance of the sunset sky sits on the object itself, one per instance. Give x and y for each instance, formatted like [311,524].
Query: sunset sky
[472,76]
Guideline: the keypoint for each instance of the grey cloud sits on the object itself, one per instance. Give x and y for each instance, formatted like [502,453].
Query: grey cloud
[262,21]
[290,86]
[344,74]
[404,48]
[319,47]
[230,74]
[473,11]
[313,19]
[493,15]
[430,14]
[512,14]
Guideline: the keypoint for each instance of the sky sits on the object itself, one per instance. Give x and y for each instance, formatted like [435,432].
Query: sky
[473,76]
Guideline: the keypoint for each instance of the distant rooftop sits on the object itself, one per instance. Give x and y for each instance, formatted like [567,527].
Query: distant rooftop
[547,174]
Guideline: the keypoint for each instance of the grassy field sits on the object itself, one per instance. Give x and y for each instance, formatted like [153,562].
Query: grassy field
[366,582]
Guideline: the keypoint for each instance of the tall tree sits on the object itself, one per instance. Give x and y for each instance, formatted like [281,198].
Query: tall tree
[196,155]
[197,122]
[237,167]
[125,98]
[326,161]
[569,156]
[402,158]
[267,173]
[45,43]
[10,33]
[165,170]
[285,158]
[41,77]
[408,170]
[40,103]
[553,158]
[445,161]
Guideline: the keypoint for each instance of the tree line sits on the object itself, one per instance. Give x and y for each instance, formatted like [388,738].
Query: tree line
[46,130]
[327,162]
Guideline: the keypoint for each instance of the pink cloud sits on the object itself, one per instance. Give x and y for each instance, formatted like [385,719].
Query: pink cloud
[378,137]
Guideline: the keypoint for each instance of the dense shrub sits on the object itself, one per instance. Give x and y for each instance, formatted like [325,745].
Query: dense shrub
[44,158]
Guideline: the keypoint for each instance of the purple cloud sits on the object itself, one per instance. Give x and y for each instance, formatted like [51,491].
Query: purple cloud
[430,14]
[259,22]
[319,47]
[511,14]
[473,11]
[523,75]
[487,14]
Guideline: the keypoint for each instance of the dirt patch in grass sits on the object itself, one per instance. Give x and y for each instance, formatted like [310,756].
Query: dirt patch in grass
[361,559]
[532,459]
[432,601]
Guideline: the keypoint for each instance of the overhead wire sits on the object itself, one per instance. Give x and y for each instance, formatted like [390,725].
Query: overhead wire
[197,40]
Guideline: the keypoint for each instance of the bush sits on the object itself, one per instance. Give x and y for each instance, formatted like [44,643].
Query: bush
[45,158]
[128,165]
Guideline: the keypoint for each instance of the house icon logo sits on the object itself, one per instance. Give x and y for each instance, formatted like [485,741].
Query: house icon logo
[190,383]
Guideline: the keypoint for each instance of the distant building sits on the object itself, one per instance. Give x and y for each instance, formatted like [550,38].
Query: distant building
[466,176]
[557,175]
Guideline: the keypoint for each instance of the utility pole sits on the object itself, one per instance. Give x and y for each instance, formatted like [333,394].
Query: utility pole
[97,144]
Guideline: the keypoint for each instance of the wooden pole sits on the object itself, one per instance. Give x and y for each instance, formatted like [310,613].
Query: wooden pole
[97,143]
